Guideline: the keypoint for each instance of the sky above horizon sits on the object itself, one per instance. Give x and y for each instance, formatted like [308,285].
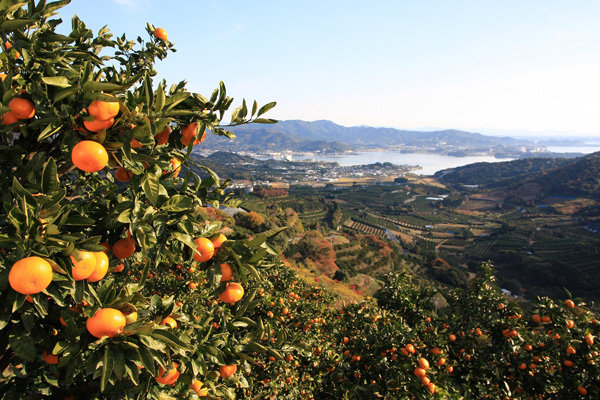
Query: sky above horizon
[519,67]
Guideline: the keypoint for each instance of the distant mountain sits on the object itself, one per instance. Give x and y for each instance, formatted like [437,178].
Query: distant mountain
[577,177]
[500,174]
[260,138]
[291,132]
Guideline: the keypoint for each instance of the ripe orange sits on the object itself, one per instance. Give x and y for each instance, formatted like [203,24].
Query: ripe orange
[423,363]
[84,263]
[205,248]
[419,372]
[124,248]
[101,269]
[233,292]
[569,303]
[119,268]
[227,370]
[176,163]
[9,45]
[188,133]
[218,240]
[3,76]
[106,322]
[22,108]
[122,175]
[97,126]
[50,358]
[10,118]
[160,33]
[410,348]
[30,275]
[196,385]
[226,272]
[170,322]
[89,156]
[103,110]
[582,391]
[163,137]
[452,337]
[589,339]
[570,323]
[170,378]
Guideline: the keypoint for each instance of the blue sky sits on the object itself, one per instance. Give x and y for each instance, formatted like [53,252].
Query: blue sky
[507,65]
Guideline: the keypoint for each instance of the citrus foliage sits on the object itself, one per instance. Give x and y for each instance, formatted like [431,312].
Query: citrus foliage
[74,321]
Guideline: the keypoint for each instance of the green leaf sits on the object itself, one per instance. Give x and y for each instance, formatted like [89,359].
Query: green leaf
[160,98]
[266,108]
[50,181]
[93,86]
[265,121]
[15,24]
[23,345]
[49,130]
[60,81]
[78,220]
[185,239]
[107,368]
[170,339]
[64,93]
[151,187]
[178,203]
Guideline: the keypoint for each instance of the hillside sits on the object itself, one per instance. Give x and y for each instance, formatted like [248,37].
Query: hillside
[326,136]
[578,177]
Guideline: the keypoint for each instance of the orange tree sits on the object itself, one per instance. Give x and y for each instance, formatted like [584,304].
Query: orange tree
[99,208]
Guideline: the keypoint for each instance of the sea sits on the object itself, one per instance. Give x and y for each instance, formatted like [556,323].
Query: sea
[430,163]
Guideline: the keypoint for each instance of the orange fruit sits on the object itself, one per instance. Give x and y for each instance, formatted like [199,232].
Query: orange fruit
[163,137]
[188,133]
[3,76]
[176,163]
[89,156]
[106,322]
[410,348]
[122,175]
[30,275]
[50,358]
[22,108]
[569,303]
[452,337]
[431,387]
[570,323]
[233,292]
[97,126]
[84,263]
[106,245]
[589,339]
[196,385]
[101,269]
[537,318]
[419,372]
[218,240]
[124,248]
[582,391]
[226,272]
[103,110]
[10,118]
[160,33]
[170,378]
[205,248]
[8,45]
[227,370]
[423,363]
[170,322]
[119,268]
